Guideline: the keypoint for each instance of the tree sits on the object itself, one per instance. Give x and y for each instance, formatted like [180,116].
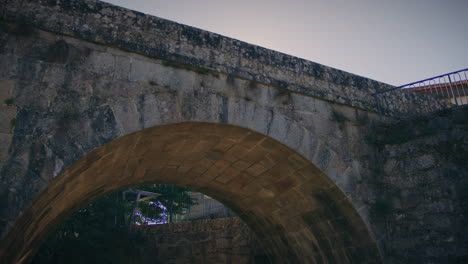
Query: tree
[95,233]
[172,200]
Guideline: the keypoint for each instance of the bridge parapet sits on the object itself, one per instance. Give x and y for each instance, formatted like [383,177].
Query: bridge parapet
[190,47]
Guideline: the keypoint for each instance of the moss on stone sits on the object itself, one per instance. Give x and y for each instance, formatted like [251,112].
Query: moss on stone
[58,52]
[21,28]
[283,95]
[380,209]
[8,101]
[338,117]
[188,67]
[362,120]
[400,133]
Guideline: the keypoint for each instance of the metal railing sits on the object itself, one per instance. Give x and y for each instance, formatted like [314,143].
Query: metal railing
[451,89]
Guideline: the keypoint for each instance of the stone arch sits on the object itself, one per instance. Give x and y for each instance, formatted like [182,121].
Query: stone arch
[301,215]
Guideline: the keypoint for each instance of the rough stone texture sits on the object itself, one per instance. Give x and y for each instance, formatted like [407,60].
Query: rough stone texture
[71,100]
[105,98]
[421,172]
[7,117]
[292,206]
[224,240]
[103,23]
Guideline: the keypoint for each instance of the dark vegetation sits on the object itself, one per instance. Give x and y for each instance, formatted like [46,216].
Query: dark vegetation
[380,209]
[103,231]
[283,95]
[8,101]
[338,117]
[188,67]
[20,28]
[58,52]
[448,142]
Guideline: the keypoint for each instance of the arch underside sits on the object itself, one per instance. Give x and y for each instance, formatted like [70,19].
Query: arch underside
[296,210]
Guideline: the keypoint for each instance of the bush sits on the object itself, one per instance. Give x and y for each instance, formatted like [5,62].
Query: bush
[380,209]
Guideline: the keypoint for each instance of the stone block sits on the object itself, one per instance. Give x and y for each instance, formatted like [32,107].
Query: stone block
[182,227]
[295,133]
[390,166]
[7,116]
[122,67]
[5,141]
[227,175]
[425,162]
[101,63]
[217,258]
[256,170]
[239,259]
[279,127]
[141,70]
[322,157]
[125,113]
[223,243]
[6,90]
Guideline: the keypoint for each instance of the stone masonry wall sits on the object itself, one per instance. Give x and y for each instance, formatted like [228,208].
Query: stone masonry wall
[420,183]
[74,96]
[224,240]
[154,37]
[78,83]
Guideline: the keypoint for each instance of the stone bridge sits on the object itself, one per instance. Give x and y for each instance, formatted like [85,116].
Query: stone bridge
[96,98]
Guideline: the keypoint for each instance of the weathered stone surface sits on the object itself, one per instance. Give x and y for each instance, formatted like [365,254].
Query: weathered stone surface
[225,240]
[159,38]
[105,98]
[6,90]
[7,118]
[149,155]
[5,141]
[422,177]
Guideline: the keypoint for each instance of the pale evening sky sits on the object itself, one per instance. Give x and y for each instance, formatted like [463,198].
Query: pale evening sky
[392,41]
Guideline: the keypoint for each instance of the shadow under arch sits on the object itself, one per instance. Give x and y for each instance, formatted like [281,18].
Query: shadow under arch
[296,210]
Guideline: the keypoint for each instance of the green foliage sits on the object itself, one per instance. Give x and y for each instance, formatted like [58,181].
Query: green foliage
[8,101]
[58,52]
[454,151]
[362,119]
[400,133]
[22,28]
[380,209]
[96,232]
[252,84]
[338,117]
[87,235]
[188,67]
[282,94]
[372,140]
[173,199]
[377,171]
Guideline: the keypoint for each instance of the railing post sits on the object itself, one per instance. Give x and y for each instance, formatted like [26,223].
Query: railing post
[439,85]
[451,89]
